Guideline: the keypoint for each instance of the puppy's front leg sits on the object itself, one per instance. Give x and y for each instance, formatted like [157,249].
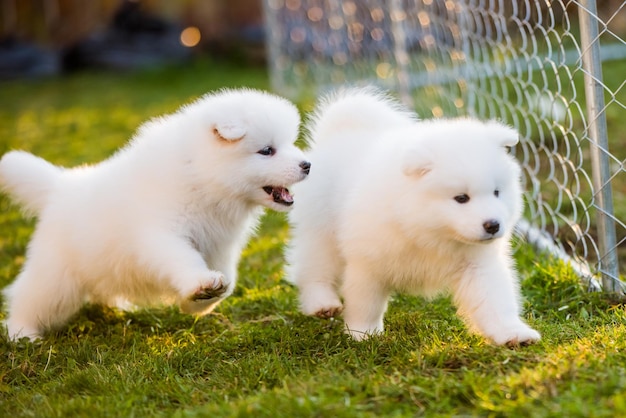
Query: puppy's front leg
[365,302]
[487,298]
[198,288]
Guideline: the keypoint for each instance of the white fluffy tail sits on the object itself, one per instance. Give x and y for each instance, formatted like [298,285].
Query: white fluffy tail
[356,109]
[28,179]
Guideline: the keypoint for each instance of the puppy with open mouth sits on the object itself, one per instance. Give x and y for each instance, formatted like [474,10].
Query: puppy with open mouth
[163,220]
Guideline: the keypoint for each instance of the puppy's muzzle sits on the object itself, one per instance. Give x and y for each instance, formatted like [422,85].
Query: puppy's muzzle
[305,166]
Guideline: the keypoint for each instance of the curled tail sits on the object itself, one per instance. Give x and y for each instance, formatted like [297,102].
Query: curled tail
[351,109]
[28,179]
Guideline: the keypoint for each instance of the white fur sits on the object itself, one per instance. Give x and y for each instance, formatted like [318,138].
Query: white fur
[161,221]
[379,215]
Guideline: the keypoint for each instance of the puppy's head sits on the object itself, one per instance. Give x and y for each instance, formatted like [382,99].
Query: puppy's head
[248,147]
[469,187]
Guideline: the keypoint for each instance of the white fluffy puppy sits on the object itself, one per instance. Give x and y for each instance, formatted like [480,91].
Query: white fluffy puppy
[161,221]
[400,205]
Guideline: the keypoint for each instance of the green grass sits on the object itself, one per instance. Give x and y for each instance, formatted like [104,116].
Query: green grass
[257,355]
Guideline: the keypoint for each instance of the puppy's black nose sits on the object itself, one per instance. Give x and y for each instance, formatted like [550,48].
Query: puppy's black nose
[305,166]
[491,226]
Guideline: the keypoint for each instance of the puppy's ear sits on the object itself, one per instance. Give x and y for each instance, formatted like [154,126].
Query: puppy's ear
[511,140]
[505,135]
[417,163]
[229,131]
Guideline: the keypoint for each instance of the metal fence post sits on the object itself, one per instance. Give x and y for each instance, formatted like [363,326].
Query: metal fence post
[597,132]
[398,34]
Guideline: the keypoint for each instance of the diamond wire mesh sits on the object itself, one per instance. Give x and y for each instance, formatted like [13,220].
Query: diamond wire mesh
[519,61]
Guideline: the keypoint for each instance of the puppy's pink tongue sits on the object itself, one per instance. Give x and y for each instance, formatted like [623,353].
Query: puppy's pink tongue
[283,195]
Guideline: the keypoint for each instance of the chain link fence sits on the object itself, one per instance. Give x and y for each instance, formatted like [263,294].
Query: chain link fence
[553,69]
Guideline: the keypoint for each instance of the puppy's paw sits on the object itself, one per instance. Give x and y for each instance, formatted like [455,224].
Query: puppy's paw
[320,301]
[211,290]
[518,335]
[16,332]
[123,304]
[329,312]
[361,334]
[206,293]
[212,286]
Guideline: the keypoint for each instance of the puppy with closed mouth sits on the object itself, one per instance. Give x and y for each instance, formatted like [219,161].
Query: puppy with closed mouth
[161,221]
[400,205]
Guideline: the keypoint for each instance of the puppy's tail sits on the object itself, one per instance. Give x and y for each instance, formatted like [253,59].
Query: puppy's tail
[28,179]
[356,109]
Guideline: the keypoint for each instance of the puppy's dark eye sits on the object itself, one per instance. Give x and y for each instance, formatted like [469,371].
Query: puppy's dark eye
[267,151]
[462,198]
[496,193]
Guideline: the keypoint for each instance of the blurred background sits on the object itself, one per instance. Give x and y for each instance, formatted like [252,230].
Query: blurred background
[49,37]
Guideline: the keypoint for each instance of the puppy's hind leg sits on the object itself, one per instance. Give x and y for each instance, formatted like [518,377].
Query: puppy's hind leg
[42,297]
[314,266]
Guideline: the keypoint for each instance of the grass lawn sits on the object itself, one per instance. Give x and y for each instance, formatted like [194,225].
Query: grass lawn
[257,355]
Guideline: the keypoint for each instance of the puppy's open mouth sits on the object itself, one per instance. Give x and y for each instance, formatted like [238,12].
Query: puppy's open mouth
[279,194]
